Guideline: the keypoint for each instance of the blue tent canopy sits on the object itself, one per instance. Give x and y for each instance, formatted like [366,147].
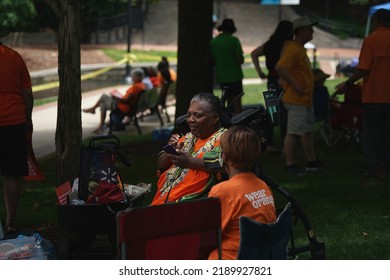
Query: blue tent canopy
[373,9]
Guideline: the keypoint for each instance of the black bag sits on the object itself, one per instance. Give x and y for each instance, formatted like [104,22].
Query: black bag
[98,164]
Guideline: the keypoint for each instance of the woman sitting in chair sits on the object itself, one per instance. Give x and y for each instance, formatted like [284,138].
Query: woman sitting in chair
[244,194]
[185,175]
[122,105]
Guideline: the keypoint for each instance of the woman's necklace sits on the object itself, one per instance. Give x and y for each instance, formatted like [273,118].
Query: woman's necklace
[176,174]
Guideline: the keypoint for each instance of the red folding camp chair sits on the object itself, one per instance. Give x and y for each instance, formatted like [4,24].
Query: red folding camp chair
[179,231]
[347,116]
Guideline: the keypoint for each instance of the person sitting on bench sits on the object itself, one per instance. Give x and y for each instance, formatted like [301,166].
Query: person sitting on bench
[115,101]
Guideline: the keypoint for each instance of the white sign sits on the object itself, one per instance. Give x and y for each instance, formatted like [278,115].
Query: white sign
[289,2]
[279,2]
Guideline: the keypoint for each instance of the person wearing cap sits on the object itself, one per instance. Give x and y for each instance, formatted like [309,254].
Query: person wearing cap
[373,67]
[296,75]
[227,56]
[16,104]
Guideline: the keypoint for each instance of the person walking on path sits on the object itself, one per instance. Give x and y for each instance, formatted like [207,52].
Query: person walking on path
[294,69]
[16,104]
[271,49]
[373,67]
[227,56]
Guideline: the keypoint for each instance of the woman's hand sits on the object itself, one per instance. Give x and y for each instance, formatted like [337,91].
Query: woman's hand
[164,159]
[299,89]
[262,75]
[185,160]
[174,140]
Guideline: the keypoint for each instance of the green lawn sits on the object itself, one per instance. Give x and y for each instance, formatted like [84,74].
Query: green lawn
[347,212]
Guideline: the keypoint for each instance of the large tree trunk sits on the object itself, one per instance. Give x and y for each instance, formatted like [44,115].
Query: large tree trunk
[69,132]
[194,71]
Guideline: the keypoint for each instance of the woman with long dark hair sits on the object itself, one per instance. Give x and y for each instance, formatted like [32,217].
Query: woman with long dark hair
[271,49]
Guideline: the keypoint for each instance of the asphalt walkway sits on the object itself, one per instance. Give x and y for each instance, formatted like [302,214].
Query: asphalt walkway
[45,121]
[45,116]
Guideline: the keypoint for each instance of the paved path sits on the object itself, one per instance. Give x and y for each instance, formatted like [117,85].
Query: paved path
[45,116]
[45,120]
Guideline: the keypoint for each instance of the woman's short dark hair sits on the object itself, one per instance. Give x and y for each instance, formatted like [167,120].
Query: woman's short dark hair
[242,146]
[214,101]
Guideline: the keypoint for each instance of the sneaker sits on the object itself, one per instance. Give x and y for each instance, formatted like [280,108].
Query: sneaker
[314,165]
[293,169]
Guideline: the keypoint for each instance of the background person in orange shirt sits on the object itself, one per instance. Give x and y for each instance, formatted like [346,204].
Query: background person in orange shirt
[244,194]
[16,104]
[373,67]
[123,105]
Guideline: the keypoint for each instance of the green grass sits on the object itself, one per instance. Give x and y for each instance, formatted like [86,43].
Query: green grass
[347,212]
[142,56]
[151,55]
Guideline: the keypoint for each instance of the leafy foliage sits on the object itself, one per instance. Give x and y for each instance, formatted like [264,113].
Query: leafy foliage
[16,14]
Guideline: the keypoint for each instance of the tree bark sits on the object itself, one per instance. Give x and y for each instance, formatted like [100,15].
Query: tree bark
[68,136]
[194,69]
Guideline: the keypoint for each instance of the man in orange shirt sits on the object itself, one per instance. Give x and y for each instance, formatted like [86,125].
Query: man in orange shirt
[16,103]
[122,105]
[373,67]
[244,194]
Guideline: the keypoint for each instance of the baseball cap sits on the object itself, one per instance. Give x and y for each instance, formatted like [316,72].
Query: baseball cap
[303,22]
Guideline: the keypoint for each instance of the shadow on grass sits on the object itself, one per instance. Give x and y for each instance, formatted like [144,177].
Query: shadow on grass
[349,213]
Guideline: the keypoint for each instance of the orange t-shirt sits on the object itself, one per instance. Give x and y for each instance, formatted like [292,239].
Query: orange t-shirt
[14,78]
[194,181]
[162,79]
[242,195]
[375,57]
[131,97]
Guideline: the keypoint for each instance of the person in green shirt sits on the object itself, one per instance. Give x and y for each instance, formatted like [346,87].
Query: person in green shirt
[227,56]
